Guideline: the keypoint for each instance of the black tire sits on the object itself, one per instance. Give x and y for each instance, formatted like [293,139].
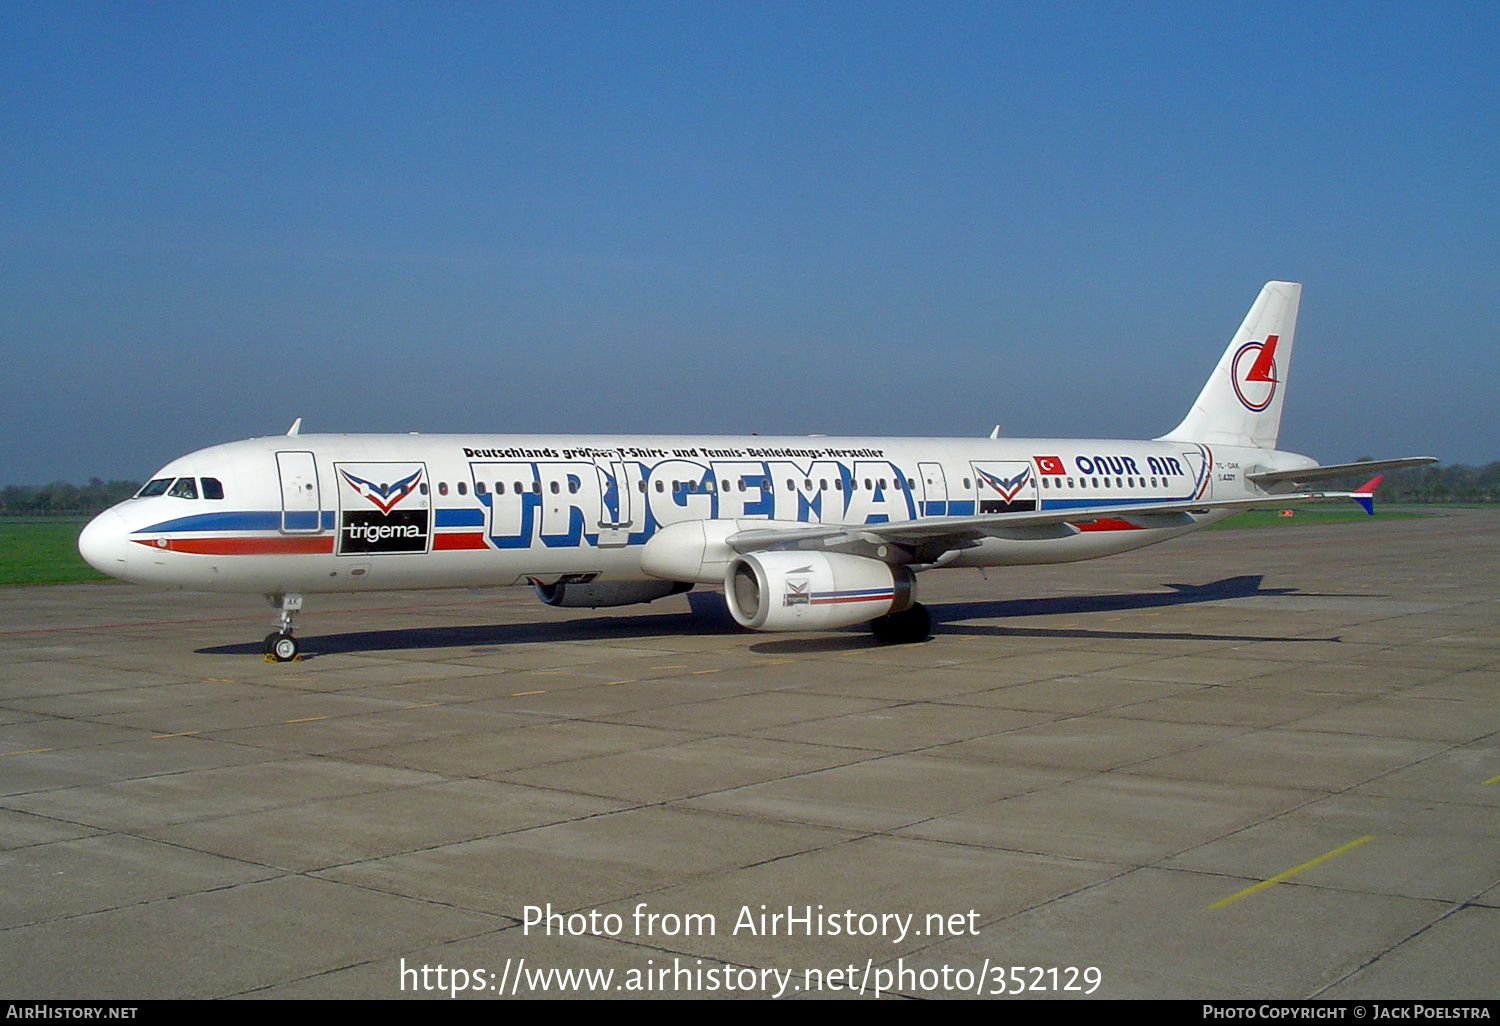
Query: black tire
[269,645]
[283,647]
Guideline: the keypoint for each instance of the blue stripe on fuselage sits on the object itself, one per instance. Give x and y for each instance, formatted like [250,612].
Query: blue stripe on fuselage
[459,517]
[237,521]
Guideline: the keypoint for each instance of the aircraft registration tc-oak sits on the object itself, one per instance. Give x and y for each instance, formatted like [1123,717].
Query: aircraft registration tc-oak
[802,533]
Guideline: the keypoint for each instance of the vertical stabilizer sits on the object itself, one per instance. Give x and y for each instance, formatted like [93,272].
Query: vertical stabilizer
[1241,403]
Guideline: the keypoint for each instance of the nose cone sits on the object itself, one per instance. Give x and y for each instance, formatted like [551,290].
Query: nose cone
[104,542]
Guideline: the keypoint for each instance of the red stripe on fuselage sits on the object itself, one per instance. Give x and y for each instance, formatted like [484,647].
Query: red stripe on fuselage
[247,546]
[458,541]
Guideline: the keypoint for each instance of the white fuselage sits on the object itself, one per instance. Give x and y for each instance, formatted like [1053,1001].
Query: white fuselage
[333,513]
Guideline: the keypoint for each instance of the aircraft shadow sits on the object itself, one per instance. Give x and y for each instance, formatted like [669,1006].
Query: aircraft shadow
[708,617]
[482,637]
[951,615]
[948,617]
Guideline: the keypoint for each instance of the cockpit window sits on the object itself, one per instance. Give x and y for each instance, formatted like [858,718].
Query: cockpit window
[185,488]
[212,489]
[156,487]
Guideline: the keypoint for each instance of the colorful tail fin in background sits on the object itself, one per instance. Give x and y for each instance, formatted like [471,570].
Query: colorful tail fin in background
[1365,494]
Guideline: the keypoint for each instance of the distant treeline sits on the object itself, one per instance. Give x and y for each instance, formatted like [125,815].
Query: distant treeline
[1434,484]
[61,499]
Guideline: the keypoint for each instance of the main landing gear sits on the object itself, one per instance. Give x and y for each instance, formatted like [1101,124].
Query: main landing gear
[280,646]
[911,625]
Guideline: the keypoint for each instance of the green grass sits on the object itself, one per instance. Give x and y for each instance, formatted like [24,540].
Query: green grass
[43,552]
[1308,517]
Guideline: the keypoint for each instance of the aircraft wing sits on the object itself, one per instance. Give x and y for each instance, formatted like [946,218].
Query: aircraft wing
[1272,477]
[938,534]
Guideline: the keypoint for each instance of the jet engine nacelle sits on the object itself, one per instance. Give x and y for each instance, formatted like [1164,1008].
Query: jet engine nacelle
[794,590]
[573,595]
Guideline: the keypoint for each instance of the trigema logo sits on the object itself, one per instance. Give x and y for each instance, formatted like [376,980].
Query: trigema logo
[383,508]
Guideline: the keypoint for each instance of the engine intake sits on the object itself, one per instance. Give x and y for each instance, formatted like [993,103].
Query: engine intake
[788,591]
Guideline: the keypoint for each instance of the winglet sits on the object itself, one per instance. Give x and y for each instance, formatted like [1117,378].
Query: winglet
[296,427]
[1365,494]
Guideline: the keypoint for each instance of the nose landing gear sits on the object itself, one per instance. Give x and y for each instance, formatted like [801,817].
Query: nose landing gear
[280,646]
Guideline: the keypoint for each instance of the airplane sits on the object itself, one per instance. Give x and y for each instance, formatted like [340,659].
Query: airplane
[802,533]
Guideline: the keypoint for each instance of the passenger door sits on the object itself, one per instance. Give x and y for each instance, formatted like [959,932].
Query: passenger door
[301,499]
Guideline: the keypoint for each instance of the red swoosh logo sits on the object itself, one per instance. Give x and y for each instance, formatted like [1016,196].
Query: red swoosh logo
[1264,363]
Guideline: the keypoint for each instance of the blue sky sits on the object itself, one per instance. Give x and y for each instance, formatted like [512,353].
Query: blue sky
[855,218]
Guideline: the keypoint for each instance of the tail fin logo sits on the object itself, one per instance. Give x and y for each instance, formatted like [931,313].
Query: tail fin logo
[1254,373]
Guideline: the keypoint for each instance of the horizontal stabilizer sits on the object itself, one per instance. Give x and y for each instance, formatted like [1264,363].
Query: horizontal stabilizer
[1270,477]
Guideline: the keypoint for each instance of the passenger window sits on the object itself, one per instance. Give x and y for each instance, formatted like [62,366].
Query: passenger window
[185,488]
[479,488]
[442,487]
[212,489]
[463,488]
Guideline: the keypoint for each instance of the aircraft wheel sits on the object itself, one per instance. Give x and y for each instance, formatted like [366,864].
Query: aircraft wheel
[281,647]
[904,628]
[269,645]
